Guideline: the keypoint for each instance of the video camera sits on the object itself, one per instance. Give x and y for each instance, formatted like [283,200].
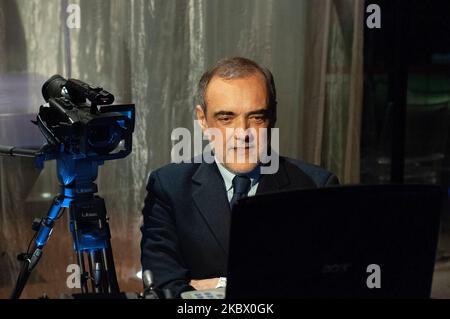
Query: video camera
[72,123]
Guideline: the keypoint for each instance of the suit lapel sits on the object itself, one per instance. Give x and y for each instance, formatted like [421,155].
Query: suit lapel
[287,177]
[273,182]
[211,200]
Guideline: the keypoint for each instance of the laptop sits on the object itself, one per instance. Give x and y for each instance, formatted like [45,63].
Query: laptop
[338,242]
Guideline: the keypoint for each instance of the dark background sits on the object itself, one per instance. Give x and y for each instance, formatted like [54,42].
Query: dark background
[405,130]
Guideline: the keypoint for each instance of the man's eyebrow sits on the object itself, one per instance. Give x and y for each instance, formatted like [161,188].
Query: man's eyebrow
[260,111]
[223,113]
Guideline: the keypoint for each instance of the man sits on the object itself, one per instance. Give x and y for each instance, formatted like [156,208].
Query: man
[187,210]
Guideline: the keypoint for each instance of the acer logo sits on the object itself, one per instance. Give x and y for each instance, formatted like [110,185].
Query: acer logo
[336,268]
[373,280]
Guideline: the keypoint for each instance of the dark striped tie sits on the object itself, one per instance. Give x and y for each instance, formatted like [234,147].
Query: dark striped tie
[241,187]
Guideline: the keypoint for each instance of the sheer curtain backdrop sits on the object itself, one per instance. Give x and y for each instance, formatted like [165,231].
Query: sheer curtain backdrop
[152,53]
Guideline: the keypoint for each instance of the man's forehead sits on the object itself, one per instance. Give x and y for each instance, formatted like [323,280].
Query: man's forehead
[252,87]
[253,78]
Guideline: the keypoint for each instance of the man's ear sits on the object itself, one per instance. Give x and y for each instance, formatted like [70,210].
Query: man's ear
[201,117]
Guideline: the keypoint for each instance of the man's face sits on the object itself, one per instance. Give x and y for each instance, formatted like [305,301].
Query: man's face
[238,109]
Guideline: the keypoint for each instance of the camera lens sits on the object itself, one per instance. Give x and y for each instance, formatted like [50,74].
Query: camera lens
[104,138]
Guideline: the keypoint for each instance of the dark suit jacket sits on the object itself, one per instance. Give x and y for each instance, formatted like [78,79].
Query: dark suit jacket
[187,218]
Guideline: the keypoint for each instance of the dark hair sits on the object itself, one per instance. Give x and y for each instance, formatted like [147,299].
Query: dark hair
[234,68]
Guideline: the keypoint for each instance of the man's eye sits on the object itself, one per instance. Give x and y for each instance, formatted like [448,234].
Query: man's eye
[225,119]
[259,118]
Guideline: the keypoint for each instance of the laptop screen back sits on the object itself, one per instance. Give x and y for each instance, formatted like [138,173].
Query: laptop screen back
[349,241]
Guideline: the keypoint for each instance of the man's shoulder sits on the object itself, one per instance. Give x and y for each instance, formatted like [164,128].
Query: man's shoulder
[173,179]
[176,171]
[319,175]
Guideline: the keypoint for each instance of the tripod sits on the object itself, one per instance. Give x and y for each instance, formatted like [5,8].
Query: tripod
[88,224]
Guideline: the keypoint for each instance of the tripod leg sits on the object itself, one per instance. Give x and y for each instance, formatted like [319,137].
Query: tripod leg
[91,263]
[43,233]
[110,269]
[96,270]
[113,284]
[84,276]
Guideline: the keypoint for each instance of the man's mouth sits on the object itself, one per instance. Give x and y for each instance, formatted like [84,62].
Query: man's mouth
[243,148]
[241,145]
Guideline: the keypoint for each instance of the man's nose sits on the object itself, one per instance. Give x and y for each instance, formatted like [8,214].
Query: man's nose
[242,124]
[241,130]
